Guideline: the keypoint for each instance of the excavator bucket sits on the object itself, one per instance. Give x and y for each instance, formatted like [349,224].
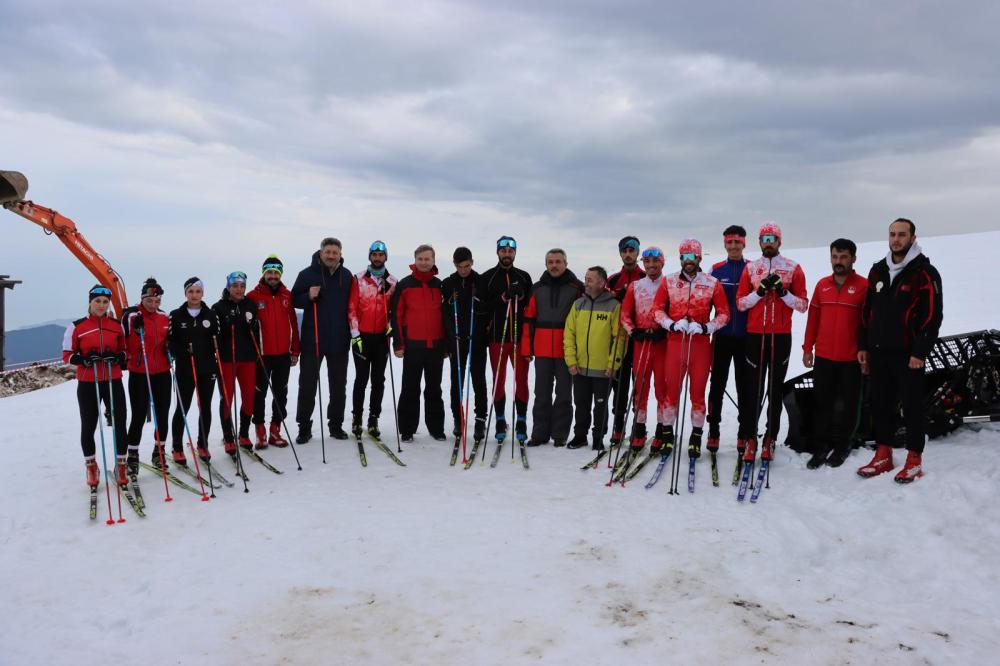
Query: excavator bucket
[13,186]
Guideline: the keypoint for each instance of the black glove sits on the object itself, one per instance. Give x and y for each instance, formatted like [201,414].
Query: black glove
[780,290]
[77,359]
[122,360]
[762,289]
[136,323]
[93,358]
[773,281]
[515,290]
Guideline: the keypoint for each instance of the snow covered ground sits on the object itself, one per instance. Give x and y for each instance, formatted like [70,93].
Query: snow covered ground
[431,564]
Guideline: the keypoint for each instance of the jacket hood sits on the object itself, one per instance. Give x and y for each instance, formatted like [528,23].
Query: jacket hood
[566,278]
[318,263]
[423,277]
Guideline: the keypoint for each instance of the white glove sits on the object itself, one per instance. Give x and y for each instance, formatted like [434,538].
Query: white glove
[709,328]
[681,326]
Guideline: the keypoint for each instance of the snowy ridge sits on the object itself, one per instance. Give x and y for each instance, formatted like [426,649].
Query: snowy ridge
[433,564]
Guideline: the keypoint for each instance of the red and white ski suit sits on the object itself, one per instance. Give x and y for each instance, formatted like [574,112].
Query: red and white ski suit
[779,319]
[638,318]
[683,297]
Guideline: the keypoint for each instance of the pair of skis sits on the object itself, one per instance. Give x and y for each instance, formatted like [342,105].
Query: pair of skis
[359,437]
[496,453]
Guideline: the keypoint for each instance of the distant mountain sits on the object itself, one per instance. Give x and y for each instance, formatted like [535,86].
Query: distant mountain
[37,343]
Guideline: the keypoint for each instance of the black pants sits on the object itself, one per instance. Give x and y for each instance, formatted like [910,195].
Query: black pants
[376,351]
[895,384]
[838,389]
[138,397]
[552,418]
[336,383]
[726,350]
[587,392]
[90,413]
[620,387]
[761,361]
[203,425]
[277,368]
[427,364]
[476,376]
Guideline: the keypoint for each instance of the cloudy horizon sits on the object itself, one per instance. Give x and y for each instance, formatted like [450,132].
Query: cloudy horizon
[197,138]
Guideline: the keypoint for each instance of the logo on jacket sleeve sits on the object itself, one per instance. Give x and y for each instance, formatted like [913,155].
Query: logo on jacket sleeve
[878,286]
[206,323]
[249,316]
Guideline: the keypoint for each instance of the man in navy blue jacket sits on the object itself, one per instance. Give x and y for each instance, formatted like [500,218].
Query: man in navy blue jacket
[728,341]
[322,291]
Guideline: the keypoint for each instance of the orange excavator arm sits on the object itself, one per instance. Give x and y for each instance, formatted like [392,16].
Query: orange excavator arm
[13,187]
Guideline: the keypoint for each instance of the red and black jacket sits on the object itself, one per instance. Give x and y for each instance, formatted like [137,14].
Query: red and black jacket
[154,328]
[904,314]
[618,283]
[279,327]
[416,311]
[545,317]
[94,335]
[492,293]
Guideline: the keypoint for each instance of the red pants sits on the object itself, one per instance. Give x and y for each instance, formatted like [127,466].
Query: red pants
[649,360]
[246,373]
[698,368]
[520,377]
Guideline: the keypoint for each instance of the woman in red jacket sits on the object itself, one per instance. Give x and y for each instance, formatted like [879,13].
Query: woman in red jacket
[146,322]
[96,346]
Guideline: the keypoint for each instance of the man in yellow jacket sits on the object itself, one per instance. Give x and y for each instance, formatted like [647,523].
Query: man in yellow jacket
[593,352]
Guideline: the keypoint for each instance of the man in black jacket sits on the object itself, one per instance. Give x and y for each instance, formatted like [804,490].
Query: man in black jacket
[504,290]
[899,326]
[552,297]
[459,293]
[323,291]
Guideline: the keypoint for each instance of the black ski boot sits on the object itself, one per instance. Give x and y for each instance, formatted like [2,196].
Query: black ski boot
[305,432]
[500,431]
[132,462]
[357,430]
[694,443]
[373,430]
[521,429]
[578,442]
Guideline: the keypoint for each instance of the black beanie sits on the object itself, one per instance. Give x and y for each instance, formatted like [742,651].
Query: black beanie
[150,288]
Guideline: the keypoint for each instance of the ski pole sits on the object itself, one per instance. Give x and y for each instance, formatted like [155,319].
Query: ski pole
[515,353]
[152,410]
[468,375]
[281,415]
[685,378]
[637,387]
[319,382]
[225,398]
[201,424]
[97,382]
[603,427]
[114,436]
[392,380]
[104,457]
[497,371]
[459,373]
[187,428]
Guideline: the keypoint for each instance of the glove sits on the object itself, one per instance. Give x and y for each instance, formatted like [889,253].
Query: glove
[92,359]
[639,334]
[136,323]
[709,328]
[694,328]
[515,290]
[772,281]
[780,290]
[122,360]
[77,359]
[357,345]
[680,326]
[762,289]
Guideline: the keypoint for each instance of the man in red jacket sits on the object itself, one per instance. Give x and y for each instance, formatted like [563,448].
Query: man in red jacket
[418,338]
[771,288]
[832,328]
[279,349]
[618,284]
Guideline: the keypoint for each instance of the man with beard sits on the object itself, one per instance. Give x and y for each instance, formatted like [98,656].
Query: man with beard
[322,291]
[542,340]
[638,318]
[618,283]
[279,348]
[771,288]
[504,289]
[683,306]
[832,328]
[368,314]
[900,324]
[728,343]
[459,292]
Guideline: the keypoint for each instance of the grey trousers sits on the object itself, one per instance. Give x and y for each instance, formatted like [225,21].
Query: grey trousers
[551,419]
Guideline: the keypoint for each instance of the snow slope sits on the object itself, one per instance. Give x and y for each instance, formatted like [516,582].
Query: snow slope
[430,564]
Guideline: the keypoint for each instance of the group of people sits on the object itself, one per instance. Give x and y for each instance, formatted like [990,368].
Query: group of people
[603,340]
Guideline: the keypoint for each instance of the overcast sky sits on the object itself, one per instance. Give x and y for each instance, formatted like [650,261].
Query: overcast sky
[194,138]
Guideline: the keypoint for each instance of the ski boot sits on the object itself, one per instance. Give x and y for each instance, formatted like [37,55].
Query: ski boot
[638,439]
[244,439]
[479,430]
[132,462]
[230,448]
[694,444]
[93,473]
[305,433]
[203,454]
[246,443]
[122,471]
[357,430]
[373,430]
[521,429]
[578,442]
[881,463]
[500,430]
[713,440]
[261,433]
[178,456]
[659,436]
[911,469]
[750,454]
[274,437]
[767,450]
